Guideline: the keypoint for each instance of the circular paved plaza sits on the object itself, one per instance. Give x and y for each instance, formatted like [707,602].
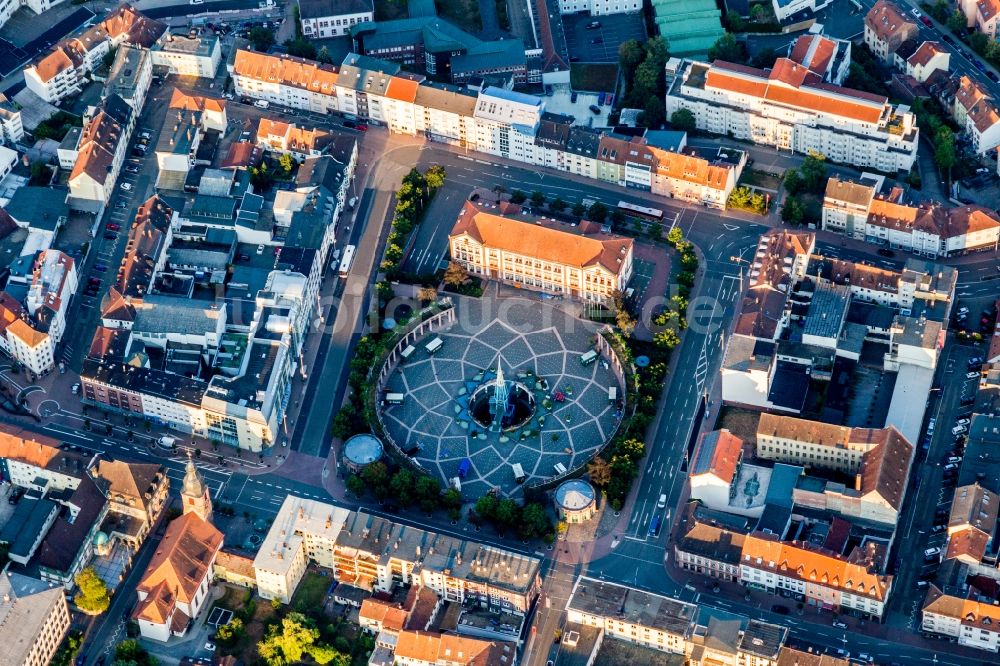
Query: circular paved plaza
[538,347]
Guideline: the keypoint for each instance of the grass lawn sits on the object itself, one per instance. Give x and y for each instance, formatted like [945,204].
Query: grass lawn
[593,77]
[311,592]
[463,13]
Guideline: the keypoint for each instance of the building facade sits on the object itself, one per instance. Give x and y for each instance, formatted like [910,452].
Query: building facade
[791,108]
[538,257]
[322,19]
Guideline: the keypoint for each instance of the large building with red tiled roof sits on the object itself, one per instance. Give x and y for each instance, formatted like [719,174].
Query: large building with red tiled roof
[286,80]
[714,468]
[828,57]
[824,578]
[971,622]
[174,588]
[976,110]
[792,108]
[554,258]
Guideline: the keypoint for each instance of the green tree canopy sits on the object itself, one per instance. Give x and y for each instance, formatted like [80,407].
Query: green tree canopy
[261,38]
[727,48]
[956,21]
[92,597]
[401,486]
[598,212]
[683,120]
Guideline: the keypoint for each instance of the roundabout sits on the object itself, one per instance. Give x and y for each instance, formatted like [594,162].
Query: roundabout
[512,398]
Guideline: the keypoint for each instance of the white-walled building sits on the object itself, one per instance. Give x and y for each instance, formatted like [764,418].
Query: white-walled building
[11,127]
[822,577]
[976,110]
[970,622]
[36,618]
[539,257]
[130,76]
[828,57]
[784,9]
[321,19]
[100,154]
[62,72]
[600,7]
[286,80]
[858,210]
[191,54]
[927,59]
[887,26]
[175,587]
[791,108]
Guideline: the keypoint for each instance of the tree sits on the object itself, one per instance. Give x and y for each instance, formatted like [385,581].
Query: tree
[537,198]
[288,642]
[376,477]
[518,197]
[435,177]
[579,210]
[598,212]
[740,197]
[735,22]
[944,150]
[758,202]
[231,632]
[427,489]
[675,236]
[506,512]
[261,38]
[324,56]
[355,485]
[654,113]
[683,120]
[131,653]
[301,48]
[666,339]
[557,205]
[599,471]
[455,275]
[758,14]
[486,507]
[813,171]
[728,49]
[451,498]
[109,58]
[956,22]
[92,598]
[427,294]
[261,178]
[287,162]
[633,448]
[979,42]
[793,211]
[534,520]
[401,486]
[626,324]
[939,10]
[793,181]
[630,55]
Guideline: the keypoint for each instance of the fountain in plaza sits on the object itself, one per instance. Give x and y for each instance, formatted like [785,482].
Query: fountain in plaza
[500,404]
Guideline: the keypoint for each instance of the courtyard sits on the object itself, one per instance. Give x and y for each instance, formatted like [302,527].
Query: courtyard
[537,346]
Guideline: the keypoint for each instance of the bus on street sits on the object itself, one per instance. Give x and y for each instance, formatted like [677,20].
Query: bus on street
[346,260]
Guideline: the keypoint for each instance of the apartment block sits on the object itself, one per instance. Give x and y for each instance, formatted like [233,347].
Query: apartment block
[354,545]
[36,618]
[970,622]
[600,7]
[62,72]
[280,137]
[975,108]
[188,54]
[100,154]
[130,76]
[589,266]
[861,210]
[11,126]
[887,26]
[792,108]
[286,80]
[823,578]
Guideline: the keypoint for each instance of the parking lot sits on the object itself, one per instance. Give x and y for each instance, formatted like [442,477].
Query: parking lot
[600,44]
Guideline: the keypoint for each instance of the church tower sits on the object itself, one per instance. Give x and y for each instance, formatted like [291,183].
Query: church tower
[195,494]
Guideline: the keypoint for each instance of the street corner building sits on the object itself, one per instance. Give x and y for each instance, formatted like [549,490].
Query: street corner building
[555,258]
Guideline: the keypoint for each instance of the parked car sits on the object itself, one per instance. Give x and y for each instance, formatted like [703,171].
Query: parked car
[100,269]
[964,422]
[137,153]
[992,76]
[779,609]
[110,235]
[145,135]
[885,252]
[132,168]
[350,124]
[127,187]
[596,110]
[113,226]
[971,375]
[593,25]
[262,104]
[361,127]
[121,204]
[840,625]
[926,21]
[94,281]
[947,39]
[916,12]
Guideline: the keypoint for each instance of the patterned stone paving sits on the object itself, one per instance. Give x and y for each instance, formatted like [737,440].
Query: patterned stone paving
[531,341]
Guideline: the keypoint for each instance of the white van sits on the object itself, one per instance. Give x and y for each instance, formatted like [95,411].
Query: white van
[958,430]
[559,468]
[262,104]
[662,502]
[434,345]
[394,398]
[408,352]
